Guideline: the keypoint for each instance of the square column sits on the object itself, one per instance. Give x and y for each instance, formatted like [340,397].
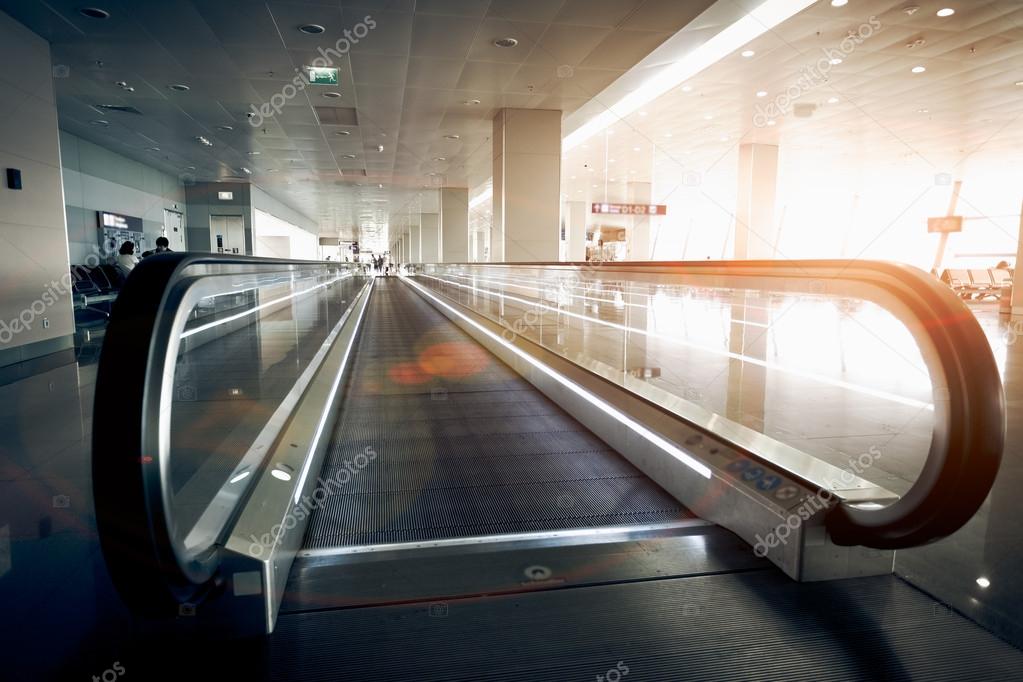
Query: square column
[756,233]
[575,230]
[527,186]
[414,251]
[429,224]
[638,230]
[454,211]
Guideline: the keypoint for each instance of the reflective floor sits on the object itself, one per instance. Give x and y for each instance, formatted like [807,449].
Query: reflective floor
[59,604]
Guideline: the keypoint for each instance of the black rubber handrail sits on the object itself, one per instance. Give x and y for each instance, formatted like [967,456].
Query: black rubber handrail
[128,482]
[969,426]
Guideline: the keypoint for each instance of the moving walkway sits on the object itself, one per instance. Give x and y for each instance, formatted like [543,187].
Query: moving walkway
[542,461]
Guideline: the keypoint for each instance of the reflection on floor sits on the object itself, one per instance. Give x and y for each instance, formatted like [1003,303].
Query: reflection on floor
[59,604]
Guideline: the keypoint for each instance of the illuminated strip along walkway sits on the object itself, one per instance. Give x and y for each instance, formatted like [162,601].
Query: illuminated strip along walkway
[438,440]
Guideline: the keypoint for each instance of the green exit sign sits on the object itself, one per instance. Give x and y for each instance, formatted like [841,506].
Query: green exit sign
[323,75]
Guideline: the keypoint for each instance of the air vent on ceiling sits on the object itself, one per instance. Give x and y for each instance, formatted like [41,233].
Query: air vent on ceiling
[117,107]
[337,116]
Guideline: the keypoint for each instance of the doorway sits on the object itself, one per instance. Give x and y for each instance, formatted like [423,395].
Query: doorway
[174,230]
[227,233]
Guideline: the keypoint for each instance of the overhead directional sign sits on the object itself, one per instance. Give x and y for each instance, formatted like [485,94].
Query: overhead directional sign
[629,209]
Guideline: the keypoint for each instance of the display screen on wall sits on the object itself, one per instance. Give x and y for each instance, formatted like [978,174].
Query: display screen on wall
[630,209]
[116,221]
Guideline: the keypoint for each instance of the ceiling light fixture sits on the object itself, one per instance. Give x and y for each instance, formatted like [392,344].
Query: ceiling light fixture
[99,122]
[918,69]
[178,87]
[745,30]
[380,147]
[311,29]
[452,137]
[203,141]
[748,53]
[225,128]
[839,3]
[984,582]
[470,102]
[832,100]
[152,149]
[343,133]
[946,12]
[246,171]
[687,88]
[836,61]
[94,13]
[332,95]
[506,42]
[440,158]
[254,153]
[761,93]
[348,156]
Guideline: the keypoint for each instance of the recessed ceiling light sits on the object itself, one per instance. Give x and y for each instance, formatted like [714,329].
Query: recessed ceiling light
[189,168]
[708,117]
[687,88]
[761,93]
[946,12]
[1019,84]
[311,29]
[984,582]
[332,94]
[94,13]
[470,102]
[748,53]
[203,141]
[772,122]
[506,42]
[246,171]
[636,149]
[440,158]
[610,160]
[923,111]
[452,137]
[836,61]
[839,3]
[832,100]
[918,69]
[178,87]
[225,127]
[254,153]
[271,170]
[152,149]
[380,147]
[99,122]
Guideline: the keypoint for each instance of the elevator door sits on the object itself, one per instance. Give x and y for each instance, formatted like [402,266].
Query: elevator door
[227,233]
[174,230]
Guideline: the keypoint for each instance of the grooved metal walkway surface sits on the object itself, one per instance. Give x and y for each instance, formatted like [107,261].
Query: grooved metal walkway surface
[439,439]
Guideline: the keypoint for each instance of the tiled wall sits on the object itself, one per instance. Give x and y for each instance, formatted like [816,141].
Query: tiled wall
[97,179]
[35,315]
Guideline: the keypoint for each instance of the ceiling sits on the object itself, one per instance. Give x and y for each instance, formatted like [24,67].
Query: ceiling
[870,111]
[417,92]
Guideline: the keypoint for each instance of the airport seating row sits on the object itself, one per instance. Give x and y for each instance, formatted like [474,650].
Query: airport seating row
[978,282]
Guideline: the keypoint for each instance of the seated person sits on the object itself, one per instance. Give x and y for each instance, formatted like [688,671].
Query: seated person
[126,259]
[162,244]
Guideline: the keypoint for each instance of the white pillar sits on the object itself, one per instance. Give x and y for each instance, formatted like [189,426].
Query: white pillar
[527,186]
[1017,280]
[415,251]
[454,211]
[637,232]
[430,236]
[755,229]
[576,213]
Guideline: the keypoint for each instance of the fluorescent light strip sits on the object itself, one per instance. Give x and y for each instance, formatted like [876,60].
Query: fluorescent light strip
[729,354]
[238,316]
[749,27]
[609,410]
[333,394]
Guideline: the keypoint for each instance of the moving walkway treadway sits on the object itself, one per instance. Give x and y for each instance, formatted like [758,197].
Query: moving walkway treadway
[409,478]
